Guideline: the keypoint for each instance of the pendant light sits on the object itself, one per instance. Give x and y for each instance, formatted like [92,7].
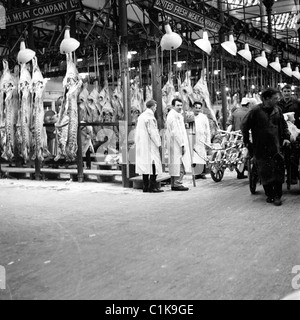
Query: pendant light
[296,73]
[69,44]
[230,45]
[276,65]
[262,60]
[204,44]
[25,55]
[287,70]
[171,40]
[245,53]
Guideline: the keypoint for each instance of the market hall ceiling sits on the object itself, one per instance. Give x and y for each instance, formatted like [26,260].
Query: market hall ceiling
[97,24]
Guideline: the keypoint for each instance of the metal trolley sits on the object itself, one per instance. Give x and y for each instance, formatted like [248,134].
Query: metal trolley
[227,151]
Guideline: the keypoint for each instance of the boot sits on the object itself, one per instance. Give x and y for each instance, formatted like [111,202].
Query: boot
[145,183]
[153,185]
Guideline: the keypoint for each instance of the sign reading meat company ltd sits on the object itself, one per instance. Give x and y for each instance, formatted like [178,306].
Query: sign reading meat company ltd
[182,12]
[42,11]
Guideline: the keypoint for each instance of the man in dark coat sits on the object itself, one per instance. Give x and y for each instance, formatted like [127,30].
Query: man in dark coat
[269,134]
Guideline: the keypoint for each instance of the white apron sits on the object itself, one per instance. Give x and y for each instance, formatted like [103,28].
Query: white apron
[147,143]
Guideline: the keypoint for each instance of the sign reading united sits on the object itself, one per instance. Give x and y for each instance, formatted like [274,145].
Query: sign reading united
[179,11]
[42,11]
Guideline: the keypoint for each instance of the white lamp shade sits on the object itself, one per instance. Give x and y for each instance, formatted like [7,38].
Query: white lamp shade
[288,70]
[296,73]
[170,40]
[276,65]
[25,55]
[230,46]
[69,44]
[262,60]
[246,53]
[204,43]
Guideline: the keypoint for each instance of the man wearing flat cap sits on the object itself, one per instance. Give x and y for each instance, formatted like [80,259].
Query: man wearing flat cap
[148,143]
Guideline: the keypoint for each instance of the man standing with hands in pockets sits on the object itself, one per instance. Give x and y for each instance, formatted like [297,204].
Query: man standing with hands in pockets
[148,144]
[179,156]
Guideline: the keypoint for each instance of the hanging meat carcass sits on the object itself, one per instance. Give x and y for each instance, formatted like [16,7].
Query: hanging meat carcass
[137,100]
[186,94]
[62,131]
[168,94]
[25,111]
[94,109]
[108,113]
[201,93]
[72,84]
[93,103]
[117,101]
[2,118]
[86,131]
[40,148]
[83,101]
[149,93]
[186,91]
[11,105]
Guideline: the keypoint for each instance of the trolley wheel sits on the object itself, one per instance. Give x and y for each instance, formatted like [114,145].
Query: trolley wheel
[216,173]
[253,176]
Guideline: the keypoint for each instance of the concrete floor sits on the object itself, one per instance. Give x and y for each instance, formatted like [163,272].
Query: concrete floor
[62,240]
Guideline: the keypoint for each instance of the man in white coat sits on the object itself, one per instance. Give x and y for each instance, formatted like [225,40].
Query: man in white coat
[148,143]
[179,156]
[202,137]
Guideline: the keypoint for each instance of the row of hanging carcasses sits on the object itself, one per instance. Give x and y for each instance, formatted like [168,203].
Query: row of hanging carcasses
[22,131]
[107,105]
[22,113]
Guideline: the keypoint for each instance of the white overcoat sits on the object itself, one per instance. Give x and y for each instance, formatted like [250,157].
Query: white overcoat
[177,137]
[147,141]
[202,134]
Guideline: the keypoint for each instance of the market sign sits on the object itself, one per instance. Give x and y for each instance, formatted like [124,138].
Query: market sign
[291,57]
[255,43]
[42,11]
[184,13]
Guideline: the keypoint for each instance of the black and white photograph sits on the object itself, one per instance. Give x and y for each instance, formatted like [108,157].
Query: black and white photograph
[149,153]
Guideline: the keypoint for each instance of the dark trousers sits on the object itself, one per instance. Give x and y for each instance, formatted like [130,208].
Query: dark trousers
[273,190]
[149,181]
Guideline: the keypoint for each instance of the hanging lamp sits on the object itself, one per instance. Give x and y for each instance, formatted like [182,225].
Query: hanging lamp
[276,65]
[262,60]
[171,40]
[296,73]
[25,55]
[230,45]
[204,44]
[69,44]
[246,53]
[287,70]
